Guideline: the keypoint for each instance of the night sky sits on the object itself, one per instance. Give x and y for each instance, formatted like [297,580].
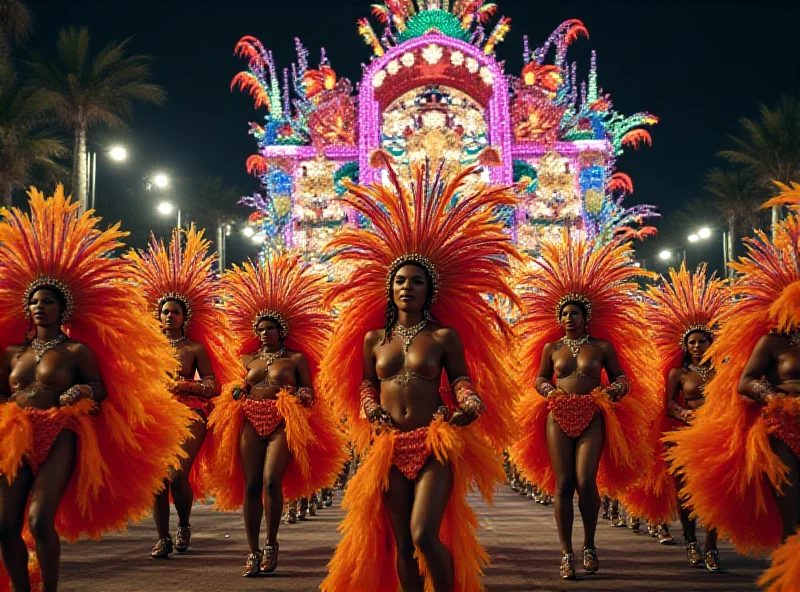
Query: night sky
[699,67]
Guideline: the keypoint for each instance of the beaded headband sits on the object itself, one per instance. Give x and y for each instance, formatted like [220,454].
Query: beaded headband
[271,314]
[419,260]
[580,298]
[49,283]
[180,298]
[694,329]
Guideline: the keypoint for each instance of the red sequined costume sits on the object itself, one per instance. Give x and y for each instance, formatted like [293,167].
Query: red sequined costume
[735,493]
[685,303]
[432,221]
[604,277]
[123,452]
[284,288]
[185,272]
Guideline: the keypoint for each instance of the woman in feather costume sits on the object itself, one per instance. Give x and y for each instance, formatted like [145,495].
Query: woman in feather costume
[87,430]
[750,424]
[182,292]
[275,437]
[433,250]
[585,420]
[684,315]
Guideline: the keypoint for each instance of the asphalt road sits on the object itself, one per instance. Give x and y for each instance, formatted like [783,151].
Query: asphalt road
[519,534]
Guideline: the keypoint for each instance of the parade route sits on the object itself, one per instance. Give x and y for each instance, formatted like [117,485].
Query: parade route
[519,534]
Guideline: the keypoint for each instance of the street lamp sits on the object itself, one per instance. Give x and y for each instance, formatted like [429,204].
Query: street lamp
[248,231]
[258,239]
[161,180]
[704,232]
[665,255]
[118,153]
[693,238]
[166,208]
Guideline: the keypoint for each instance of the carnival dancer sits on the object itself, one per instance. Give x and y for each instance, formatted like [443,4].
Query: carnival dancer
[750,423]
[421,272]
[274,439]
[683,315]
[182,292]
[87,430]
[578,432]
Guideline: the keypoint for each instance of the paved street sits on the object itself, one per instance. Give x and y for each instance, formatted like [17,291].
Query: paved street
[519,534]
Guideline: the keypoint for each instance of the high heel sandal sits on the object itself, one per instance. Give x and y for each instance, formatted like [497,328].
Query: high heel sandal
[664,536]
[568,566]
[269,559]
[162,549]
[590,562]
[252,566]
[183,538]
[694,554]
[713,562]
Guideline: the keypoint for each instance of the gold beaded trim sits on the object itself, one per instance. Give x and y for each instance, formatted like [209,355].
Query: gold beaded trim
[48,282]
[180,298]
[420,260]
[567,298]
[694,329]
[271,314]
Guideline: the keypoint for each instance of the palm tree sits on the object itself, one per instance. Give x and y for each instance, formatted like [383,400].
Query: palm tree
[739,197]
[25,143]
[16,24]
[770,147]
[93,90]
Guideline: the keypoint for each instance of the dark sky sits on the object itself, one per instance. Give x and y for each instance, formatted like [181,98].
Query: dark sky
[699,67]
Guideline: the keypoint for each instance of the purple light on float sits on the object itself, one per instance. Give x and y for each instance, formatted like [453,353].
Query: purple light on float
[498,120]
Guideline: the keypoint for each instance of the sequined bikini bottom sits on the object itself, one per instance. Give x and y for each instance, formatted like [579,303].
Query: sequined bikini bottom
[784,425]
[263,414]
[46,428]
[573,413]
[411,452]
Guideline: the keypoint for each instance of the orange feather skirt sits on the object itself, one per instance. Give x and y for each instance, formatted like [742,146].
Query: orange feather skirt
[365,557]
[627,450]
[318,447]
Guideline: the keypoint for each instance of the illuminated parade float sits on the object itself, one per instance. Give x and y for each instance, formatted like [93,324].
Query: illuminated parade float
[435,89]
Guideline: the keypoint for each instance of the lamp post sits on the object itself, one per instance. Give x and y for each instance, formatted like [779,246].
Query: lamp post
[116,153]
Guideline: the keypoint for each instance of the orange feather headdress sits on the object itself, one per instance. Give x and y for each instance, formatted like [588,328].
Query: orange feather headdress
[766,298]
[687,303]
[126,450]
[452,232]
[186,274]
[286,290]
[600,277]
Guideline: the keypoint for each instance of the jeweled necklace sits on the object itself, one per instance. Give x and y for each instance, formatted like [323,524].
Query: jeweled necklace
[705,372]
[574,345]
[174,342]
[270,357]
[42,347]
[409,333]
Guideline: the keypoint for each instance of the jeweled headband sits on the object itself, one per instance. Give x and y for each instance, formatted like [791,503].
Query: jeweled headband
[580,298]
[180,298]
[49,283]
[271,314]
[698,328]
[419,260]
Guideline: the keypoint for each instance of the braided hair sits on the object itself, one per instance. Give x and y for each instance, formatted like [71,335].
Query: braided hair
[392,311]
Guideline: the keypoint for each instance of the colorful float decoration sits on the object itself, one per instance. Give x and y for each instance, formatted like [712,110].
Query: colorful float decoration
[434,89]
